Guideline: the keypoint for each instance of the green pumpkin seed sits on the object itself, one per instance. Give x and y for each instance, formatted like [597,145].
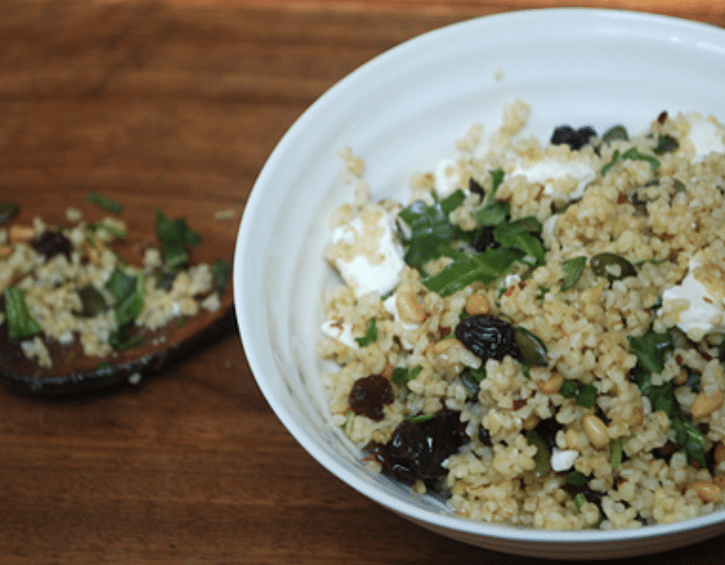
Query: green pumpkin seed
[615,133]
[92,301]
[533,350]
[542,459]
[612,266]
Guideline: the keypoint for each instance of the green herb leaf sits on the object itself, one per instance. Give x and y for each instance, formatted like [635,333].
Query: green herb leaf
[371,334]
[402,376]
[430,227]
[615,158]
[573,269]
[690,440]
[104,202]
[634,154]
[615,452]
[519,235]
[493,214]
[174,236]
[220,271]
[580,500]
[420,418]
[485,267]
[497,178]
[569,389]
[576,478]
[587,396]
[21,324]
[650,350]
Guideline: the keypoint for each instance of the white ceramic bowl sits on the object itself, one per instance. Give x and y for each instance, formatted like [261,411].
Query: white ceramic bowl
[402,112]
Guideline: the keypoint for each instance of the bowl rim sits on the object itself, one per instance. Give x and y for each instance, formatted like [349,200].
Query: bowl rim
[256,201]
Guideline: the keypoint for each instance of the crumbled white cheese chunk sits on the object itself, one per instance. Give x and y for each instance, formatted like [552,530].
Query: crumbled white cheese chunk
[547,171]
[704,289]
[706,135]
[446,177]
[390,305]
[340,331]
[563,460]
[366,252]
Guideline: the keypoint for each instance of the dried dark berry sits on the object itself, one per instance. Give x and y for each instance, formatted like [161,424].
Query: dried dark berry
[417,451]
[487,337]
[574,138]
[51,243]
[485,240]
[368,396]
[484,436]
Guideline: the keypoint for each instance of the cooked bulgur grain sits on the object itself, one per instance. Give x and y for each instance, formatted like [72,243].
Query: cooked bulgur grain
[601,404]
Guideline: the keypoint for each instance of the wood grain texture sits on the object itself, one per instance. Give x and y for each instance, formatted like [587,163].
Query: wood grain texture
[177,105]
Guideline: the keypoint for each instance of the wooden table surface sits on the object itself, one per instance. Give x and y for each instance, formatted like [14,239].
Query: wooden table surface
[177,105]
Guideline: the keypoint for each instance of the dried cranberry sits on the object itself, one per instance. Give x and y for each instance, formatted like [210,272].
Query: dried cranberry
[574,138]
[368,396]
[487,337]
[417,450]
[51,243]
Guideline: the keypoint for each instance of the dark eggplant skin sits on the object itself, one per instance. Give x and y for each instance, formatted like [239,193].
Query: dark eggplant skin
[74,374]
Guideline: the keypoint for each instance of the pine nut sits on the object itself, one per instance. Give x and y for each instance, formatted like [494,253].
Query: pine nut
[409,307]
[388,371]
[596,431]
[21,234]
[719,452]
[705,405]
[707,491]
[531,421]
[444,346]
[552,385]
[477,304]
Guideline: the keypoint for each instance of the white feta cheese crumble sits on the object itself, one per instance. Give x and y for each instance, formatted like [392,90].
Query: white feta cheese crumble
[390,305]
[340,331]
[706,135]
[563,460]
[547,171]
[366,252]
[446,177]
[704,289]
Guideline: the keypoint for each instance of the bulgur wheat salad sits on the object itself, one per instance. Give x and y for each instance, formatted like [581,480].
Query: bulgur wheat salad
[71,305]
[538,334]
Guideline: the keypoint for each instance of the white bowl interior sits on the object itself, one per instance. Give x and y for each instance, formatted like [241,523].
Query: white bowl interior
[402,112]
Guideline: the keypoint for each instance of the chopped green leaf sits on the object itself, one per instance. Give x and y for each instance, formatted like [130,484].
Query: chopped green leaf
[650,350]
[519,235]
[104,202]
[402,376]
[690,440]
[174,236]
[580,500]
[21,324]
[618,132]
[573,269]
[576,478]
[587,396]
[615,158]
[615,452]
[634,154]
[484,267]
[371,334]
[569,389]
[493,214]
[420,418]
[430,227]
[220,271]
[128,292]
[497,178]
